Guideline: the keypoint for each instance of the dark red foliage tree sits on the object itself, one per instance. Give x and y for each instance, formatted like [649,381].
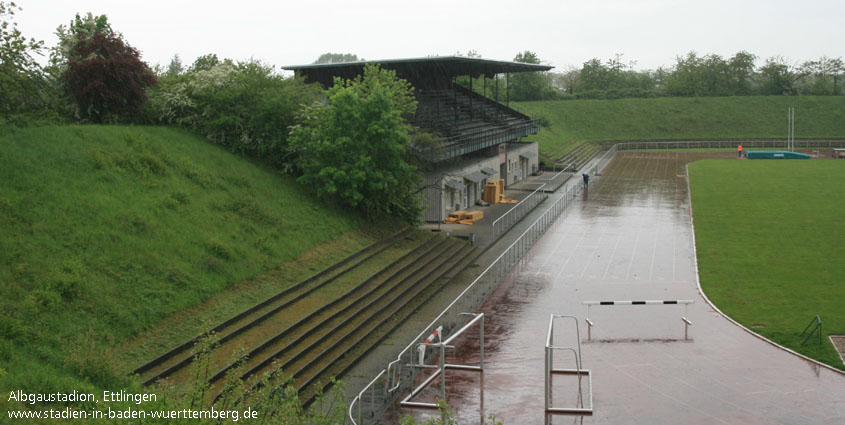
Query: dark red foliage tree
[107,78]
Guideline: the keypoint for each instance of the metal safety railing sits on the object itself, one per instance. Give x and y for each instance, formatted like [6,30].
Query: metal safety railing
[579,371]
[730,144]
[596,168]
[554,182]
[443,366]
[458,145]
[400,373]
[520,210]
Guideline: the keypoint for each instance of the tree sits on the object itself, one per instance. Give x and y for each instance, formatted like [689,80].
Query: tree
[106,77]
[566,81]
[337,58]
[712,75]
[594,77]
[175,67]
[354,149]
[530,85]
[205,62]
[824,75]
[22,83]
[79,29]
[777,77]
[741,73]
[685,78]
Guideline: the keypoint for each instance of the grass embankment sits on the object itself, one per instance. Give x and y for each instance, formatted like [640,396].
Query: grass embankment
[106,231]
[569,123]
[769,239]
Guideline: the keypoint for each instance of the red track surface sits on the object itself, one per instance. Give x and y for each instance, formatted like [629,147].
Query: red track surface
[630,238]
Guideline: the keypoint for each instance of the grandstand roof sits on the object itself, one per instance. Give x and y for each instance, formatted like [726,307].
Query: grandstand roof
[417,69]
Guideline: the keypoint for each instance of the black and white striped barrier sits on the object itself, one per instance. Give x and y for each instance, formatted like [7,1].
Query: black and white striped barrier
[686,321]
[649,302]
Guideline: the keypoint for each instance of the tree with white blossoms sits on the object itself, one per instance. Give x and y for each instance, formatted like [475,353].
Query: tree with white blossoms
[79,29]
[246,107]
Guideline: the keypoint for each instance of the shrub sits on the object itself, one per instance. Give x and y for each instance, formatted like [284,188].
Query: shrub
[355,149]
[245,107]
[106,78]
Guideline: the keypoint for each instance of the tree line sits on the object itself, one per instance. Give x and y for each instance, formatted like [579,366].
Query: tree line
[742,74]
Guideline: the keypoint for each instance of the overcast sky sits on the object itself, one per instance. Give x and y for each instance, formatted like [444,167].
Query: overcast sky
[561,32]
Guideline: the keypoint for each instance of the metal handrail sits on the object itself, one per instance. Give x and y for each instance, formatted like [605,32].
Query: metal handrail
[442,345]
[361,394]
[507,251]
[498,268]
[528,199]
[579,370]
[532,124]
[508,257]
[480,139]
[727,144]
[551,181]
[604,160]
[556,175]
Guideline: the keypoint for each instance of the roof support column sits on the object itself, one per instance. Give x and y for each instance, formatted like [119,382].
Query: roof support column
[455,96]
[471,111]
[508,89]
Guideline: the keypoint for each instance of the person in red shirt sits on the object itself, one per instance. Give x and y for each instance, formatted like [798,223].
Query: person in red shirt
[739,151]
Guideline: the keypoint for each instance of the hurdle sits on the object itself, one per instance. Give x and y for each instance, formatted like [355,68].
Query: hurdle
[579,371]
[443,366]
[686,303]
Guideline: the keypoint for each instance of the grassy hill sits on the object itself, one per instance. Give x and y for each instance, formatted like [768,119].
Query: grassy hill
[107,230]
[568,123]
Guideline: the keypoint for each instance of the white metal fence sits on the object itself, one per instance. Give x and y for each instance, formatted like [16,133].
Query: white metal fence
[513,215]
[557,180]
[731,144]
[603,161]
[399,375]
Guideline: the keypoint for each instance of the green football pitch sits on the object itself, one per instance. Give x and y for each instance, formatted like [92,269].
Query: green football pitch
[770,236]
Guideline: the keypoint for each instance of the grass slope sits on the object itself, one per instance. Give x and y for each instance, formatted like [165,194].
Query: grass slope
[769,240]
[106,230]
[568,123]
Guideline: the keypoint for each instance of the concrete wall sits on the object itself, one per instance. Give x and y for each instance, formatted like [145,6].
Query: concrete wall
[519,160]
[522,160]
[442,199]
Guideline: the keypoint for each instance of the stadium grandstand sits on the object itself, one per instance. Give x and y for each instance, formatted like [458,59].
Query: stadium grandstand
[477,138]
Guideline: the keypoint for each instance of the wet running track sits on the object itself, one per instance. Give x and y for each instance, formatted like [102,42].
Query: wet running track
[630,238]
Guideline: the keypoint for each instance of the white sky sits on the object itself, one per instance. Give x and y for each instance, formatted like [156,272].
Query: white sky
[561,32]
